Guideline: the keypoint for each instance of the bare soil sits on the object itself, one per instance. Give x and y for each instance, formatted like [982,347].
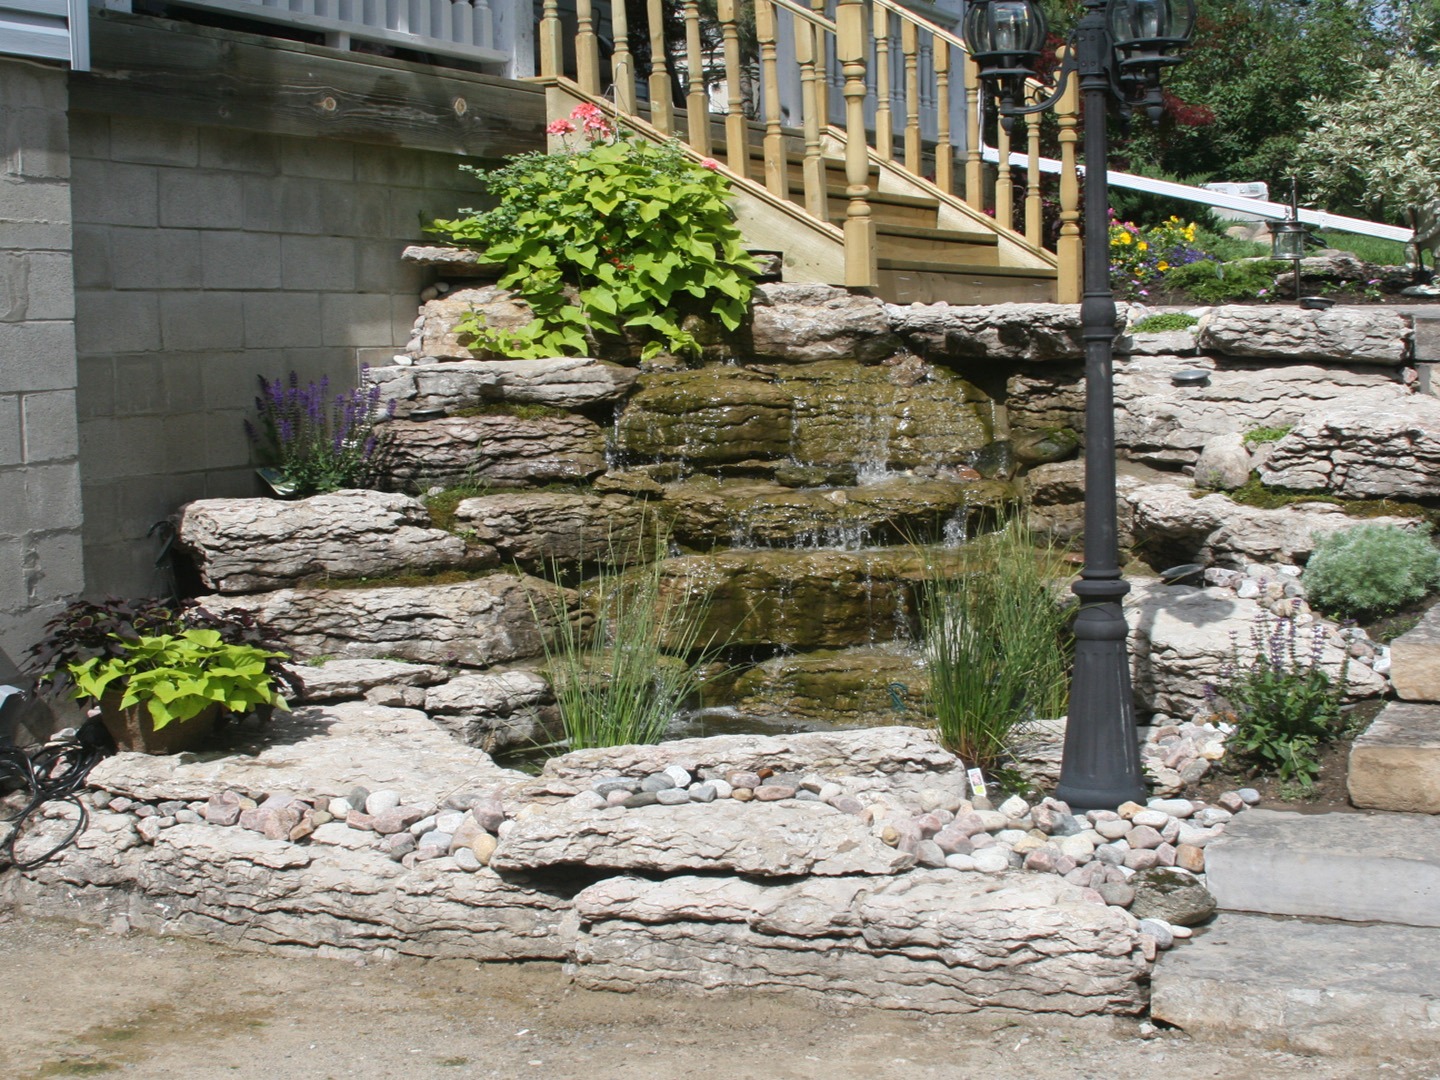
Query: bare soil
[85,1003]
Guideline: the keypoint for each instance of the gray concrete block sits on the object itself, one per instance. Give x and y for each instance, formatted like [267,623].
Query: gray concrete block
[10,450]
[139,386]
[282,319]
[378,269]
[229,378]
[362,212]
[155,258]
[202,320]
[35,143]
[390,166]
[14,596]
[240,260]
[35,202]
[95,387]
[57,569]
[89,135]
[122,569]
[112,448]
[116,322]
[227,448]
[32,86]
[144,500]
[239,151]
[323,159]
[52,497]
[1415,660]
[262,203]
[1357,867]
[153,142]
[50,426]
[239,483]
[1427,338]
[1395,764]
[12,496]
[304,205]
[51,288]
[107,193]
[363,319]
[180,376]
[34,235]
[37,356]
[91,257]
[321,263]
[1313,988]
[206,200]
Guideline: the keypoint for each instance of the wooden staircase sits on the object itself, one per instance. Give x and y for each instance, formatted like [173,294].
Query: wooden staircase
[832,198]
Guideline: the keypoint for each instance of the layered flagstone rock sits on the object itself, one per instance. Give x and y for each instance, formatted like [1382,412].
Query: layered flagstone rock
[542,528]
[1290,334]
[570,382]
[496,711]
[803,322]
[251,545]
[938,941]
[496,448]
[1390,450]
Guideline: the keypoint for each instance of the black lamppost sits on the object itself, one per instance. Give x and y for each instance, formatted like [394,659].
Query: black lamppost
[1117,51]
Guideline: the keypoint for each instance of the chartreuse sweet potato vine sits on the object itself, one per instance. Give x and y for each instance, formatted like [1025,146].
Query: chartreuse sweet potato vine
[619,235]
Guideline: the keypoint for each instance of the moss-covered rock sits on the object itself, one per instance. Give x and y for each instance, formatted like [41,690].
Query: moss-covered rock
[845,688]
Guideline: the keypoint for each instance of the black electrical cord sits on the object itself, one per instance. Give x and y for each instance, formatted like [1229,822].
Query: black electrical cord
[50,773]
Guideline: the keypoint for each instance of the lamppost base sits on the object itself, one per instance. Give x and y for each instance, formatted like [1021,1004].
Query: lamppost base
[1080,799]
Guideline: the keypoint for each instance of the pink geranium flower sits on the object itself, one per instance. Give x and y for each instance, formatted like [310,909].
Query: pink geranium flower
[710,163]
[560,127]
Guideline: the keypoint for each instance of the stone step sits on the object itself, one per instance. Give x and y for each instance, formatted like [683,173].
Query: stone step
[1395,765]
[1358,867]
[1321,988]
[1415,660]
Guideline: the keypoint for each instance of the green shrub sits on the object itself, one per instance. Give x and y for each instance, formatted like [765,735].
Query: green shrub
[1371,570]
[614,683]
[996,643]
[1268,434]
[617,236]
[1285,707]
[1169,320]
[1216,282]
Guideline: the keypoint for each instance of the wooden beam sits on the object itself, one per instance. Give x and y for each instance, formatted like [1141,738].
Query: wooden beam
[183,73]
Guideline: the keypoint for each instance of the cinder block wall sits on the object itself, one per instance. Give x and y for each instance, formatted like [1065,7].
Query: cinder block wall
[40,556]
[205,257]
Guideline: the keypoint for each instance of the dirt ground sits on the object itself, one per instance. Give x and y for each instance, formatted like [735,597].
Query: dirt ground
[85,1003]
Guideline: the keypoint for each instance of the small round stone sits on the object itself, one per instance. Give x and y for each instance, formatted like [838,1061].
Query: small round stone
[656,782]
[381,801]
[672,796]
[679,776]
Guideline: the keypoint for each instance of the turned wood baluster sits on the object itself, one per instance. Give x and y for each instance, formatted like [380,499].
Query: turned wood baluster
[622,64]
[910,49]
[808,42]
[697,103]
[1034,207]
[822,70]
[587,48]
[944,151]
[552,44]
[1004,180]
[737,148]
[1068,284]
[884,124]
[974,167]
[860,257]
[776,179]
[662,105]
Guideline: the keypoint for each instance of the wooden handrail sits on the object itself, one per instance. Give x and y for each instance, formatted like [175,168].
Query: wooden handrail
[808,14]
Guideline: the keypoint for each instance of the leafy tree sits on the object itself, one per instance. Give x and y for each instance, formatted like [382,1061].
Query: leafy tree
[1378,148]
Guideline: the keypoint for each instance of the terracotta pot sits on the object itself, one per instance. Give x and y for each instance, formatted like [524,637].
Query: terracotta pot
[133,729]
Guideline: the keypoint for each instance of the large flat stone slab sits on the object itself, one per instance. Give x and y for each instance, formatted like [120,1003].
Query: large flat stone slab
[940,941]
[315,751]
[1357,867]
[1320,988]
[563,382]
[1395,764]
[762,839]
[1362,452]
[1415,660]
[237,888]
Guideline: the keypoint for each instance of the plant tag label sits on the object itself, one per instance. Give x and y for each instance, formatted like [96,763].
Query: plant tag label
[977,782]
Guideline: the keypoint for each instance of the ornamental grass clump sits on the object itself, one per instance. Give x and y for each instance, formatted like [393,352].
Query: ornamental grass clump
[316,442]
[622,679]
[1285,708]
[996,642]
[614,236]
[1371,570]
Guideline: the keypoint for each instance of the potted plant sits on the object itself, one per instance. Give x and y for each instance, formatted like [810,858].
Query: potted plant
[161,674]
[163,692]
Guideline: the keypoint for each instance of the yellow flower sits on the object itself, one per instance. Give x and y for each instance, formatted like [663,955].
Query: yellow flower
[1143,246]
[1162,267]
[1125,238]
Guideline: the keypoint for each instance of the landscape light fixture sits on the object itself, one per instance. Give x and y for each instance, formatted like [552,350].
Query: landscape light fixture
[1117,51]
[1288,239]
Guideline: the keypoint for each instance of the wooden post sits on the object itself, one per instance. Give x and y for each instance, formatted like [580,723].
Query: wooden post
[552,45]
[1034,205]
[974,167]
[737,133]
[944,151]
[776,180]
[697,102]
[861,269]
[1068,284]
[822,71]
[622,65]
[1004,181]
[807,43]
[910,48]
[884,123]
[587,49]
[662,105]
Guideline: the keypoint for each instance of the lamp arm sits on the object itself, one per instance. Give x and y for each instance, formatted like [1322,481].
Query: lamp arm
[1068,67]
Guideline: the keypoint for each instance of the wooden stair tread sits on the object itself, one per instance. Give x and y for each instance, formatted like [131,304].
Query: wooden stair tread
[887,198]
[925,232]
[918,267]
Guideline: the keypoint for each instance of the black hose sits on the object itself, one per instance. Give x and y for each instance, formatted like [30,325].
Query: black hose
[50,773]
